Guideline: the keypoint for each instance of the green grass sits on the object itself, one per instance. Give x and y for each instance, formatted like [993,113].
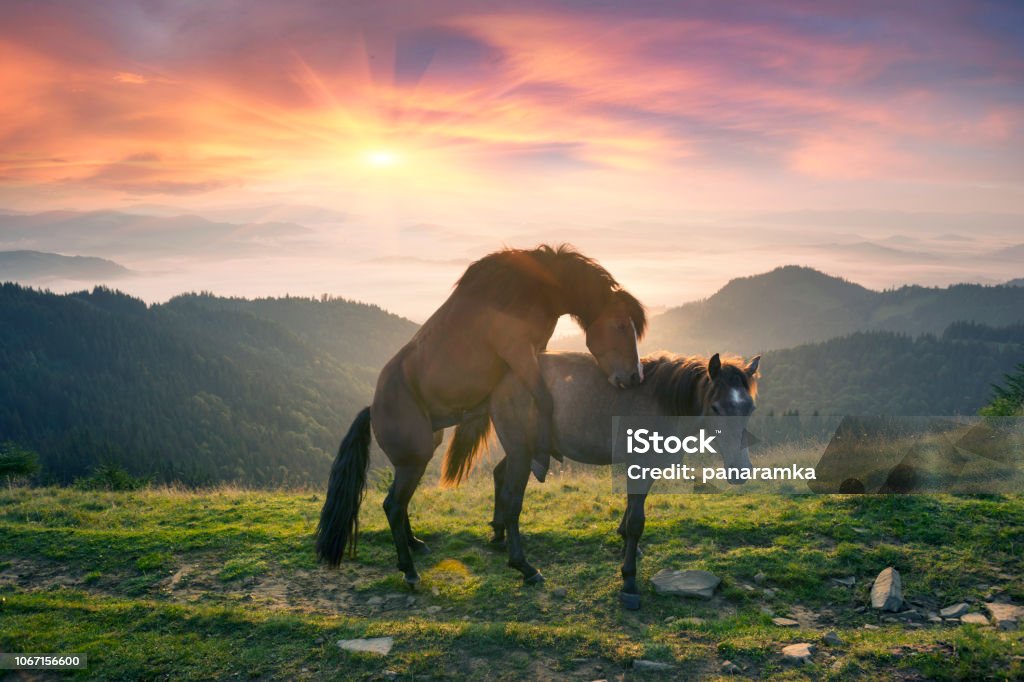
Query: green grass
[224,584]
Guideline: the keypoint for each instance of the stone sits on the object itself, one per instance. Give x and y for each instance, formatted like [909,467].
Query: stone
[798,653]
[832,639]
[887,592]
[769,592]
[375,601]
[373,645]
[651,666]
[700,584]
[1005,616]
[954,611]
[847,581]
[559,593]
[759,578]
[318,640]
[410,601]
[730,668]
[934,619]
[785,622]
[973,619]
[869,626]
[434,609]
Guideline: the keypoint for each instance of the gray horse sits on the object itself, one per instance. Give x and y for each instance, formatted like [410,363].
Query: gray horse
[584,404]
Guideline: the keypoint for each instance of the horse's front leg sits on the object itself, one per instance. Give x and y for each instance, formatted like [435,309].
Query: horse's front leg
[517,475]
[631,528]
[522,360]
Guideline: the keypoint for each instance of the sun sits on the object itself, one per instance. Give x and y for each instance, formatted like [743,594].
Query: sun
[382,158]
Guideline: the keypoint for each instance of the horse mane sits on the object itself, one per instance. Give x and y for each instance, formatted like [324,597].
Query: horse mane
[681,383]
[519,279]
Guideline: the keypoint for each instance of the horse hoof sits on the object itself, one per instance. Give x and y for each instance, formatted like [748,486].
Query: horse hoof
[630,602]
[535,579]
[412,581]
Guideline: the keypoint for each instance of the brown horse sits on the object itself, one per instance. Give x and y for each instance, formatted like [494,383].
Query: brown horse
[499,317]
[583,409]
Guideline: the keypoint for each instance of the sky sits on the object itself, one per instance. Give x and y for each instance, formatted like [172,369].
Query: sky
[373,149]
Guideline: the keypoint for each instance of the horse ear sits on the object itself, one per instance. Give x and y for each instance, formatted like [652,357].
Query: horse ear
[751,369]
[714,365]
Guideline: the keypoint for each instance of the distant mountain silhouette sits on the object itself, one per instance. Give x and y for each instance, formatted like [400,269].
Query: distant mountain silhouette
[116,233]
[1011,253]
[795,305]
[37,265]
[1019,282]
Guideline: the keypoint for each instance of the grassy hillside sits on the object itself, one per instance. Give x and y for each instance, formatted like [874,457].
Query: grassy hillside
[794,305]
[223,584]
[198,390]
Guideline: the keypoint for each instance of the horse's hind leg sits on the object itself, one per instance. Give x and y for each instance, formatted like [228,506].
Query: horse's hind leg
[517,475]
[631,528]
[404,433]
[497,522]
[415,544]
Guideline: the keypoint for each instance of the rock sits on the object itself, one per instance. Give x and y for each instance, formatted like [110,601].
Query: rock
[390,675]
[973,619]
[375,601]
[798,653]
[318,640]
[559,593]
[434,609]
[934,619]
[410,601]
[769,592]
[785,622]
[848,581]
[869,626]
[1005,616]
[832,639]
[730,668]
[887,592]
[954,611]
[759,578]
[373,645]
[651,666]
[686,583]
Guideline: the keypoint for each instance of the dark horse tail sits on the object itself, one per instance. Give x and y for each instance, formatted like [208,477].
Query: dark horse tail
[339,520]
[469,438]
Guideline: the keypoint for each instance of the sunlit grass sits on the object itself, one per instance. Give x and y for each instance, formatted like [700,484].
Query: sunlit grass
[250,598]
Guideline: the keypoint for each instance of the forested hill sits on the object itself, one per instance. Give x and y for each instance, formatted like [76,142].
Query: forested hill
[200,389]
[886,373]
[795,305]
[205,389]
